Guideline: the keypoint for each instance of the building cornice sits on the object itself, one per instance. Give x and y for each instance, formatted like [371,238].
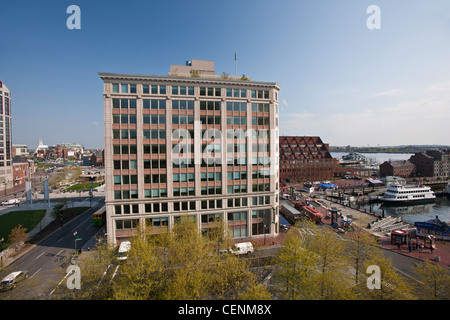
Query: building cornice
[180,79]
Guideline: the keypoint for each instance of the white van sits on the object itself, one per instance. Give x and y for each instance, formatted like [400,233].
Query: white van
[285,196]
[11,280]
[10,202]
[122,252]
[242,248]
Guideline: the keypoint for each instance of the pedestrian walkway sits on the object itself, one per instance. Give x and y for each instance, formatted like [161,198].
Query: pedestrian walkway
[440,256]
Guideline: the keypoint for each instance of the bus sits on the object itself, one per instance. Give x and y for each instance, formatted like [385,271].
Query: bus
[99,217]
[313,214]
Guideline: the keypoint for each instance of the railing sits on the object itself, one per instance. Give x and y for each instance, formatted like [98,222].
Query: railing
[207,76]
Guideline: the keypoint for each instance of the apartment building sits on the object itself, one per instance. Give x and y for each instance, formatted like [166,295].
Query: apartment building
[6,167]
[306,159]
[398,168]
[191,143]
[432,163]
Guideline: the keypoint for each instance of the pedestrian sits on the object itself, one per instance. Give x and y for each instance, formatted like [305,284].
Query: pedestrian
[398,245]
[409,246]
[420,247]
[431,248]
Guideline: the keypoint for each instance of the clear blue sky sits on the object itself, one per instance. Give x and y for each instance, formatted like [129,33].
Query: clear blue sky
[340,81]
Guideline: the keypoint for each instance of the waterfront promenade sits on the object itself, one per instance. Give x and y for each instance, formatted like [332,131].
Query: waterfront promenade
[440,256]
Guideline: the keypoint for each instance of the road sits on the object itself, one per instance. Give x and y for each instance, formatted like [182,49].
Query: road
[47,262]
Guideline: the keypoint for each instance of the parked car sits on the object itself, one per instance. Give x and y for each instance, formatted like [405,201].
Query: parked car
[10,281]
[10,202]
[242,248]
[122,252]
[285,196]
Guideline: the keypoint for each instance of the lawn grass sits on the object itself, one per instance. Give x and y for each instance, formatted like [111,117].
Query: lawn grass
[31,218]
[83,186]
[27,218]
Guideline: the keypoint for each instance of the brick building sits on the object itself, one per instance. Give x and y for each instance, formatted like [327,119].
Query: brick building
[306,159]
[432,163]
[400,168]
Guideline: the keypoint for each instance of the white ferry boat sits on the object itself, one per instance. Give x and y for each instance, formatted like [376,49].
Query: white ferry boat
[400,194]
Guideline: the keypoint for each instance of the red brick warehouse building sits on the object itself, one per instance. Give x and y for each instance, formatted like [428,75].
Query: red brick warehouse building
[306,159]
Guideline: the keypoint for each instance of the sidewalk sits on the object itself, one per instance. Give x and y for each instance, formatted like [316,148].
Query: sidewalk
[442,251]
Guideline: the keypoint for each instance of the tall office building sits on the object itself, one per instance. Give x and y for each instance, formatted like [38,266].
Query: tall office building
[6,166]
[190,143]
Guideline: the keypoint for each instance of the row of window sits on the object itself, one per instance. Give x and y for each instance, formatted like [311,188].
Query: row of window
[179,192]
[184,119]
[204,205]
[236,231]
[188,105]
[188,90]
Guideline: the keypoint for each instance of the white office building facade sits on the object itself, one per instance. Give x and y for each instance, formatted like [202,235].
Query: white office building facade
[191,144]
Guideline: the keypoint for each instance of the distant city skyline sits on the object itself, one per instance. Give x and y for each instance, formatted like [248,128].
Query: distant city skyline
[340,80]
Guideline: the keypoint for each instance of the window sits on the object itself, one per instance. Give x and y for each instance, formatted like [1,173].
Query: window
[154,104]
[210,119]
[236,93]
[236,120]
[182,104]
[260,107]
[182,90]
[237,106]
[210,105]
[210,92]
[156,89]
[124,103]
[115,88]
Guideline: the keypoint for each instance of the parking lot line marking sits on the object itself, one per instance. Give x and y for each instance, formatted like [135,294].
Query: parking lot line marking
[35,273]
[39,255]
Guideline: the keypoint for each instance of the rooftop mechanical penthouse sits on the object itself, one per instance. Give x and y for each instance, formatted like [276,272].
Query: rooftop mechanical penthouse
[191,143]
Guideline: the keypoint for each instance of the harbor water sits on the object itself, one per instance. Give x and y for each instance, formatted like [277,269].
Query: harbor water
[410,213]
[416,212]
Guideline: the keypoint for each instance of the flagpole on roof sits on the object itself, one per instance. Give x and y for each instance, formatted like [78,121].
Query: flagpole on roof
[235,63]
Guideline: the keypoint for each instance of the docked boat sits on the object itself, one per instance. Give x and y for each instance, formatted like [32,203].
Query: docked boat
[400,194]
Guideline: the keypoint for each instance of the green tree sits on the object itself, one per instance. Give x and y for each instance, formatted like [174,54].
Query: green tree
[58,210]
[138,279]
[392,285]
[94,266]
[333,271]
[184,264]
[435,281]
[296,267]
[18,237]
[361,248]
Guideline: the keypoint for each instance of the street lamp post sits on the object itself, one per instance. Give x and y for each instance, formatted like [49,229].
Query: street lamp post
[75,239]
[265,229]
